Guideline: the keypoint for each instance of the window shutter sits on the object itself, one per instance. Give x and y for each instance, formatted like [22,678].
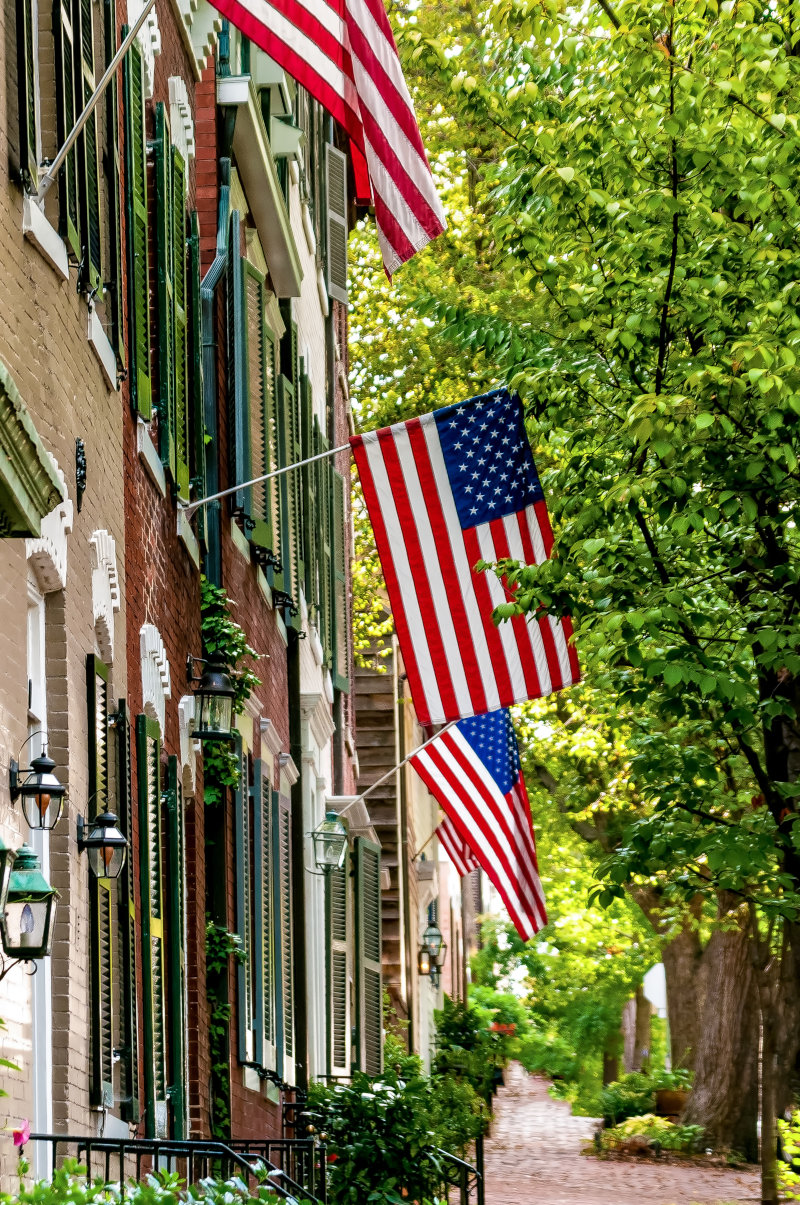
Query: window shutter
[261,388]
[181,379]
[369,981]
[197,429]
[137,232]
[244,908]
[308,484]
[239,433]
[114,287]
[286,581]
[265,920]
[176,932]
[282,877]
[324,551]
[66,34]
[88,152]
[102,893]
[336,191]
[128,923]
[165,293]
[340,611]
[294,482]
[338,994]
[27,85]
[148,767]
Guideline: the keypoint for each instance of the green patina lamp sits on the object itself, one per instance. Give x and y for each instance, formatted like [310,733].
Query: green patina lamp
[26,924]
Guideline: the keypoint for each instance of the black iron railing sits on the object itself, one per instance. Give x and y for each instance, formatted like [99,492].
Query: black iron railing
[458,1174]
[303,1159]
[118,1160]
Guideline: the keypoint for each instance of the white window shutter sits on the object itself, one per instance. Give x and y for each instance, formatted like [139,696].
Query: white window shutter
[336,180]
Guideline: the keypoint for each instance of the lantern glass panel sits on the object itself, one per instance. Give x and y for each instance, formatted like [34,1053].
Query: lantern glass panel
[432,940]
[106,861]
[424,962]
[27,927]
[330,843]
[214,713]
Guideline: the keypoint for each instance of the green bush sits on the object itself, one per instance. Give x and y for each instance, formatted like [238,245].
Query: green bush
[69,1183]
[666,1135]
[632,1096]
[458,1114]
[465,1048]
[548,1054]
[788,1178]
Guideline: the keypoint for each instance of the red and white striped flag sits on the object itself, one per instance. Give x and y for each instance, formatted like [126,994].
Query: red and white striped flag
[456,848]
[443,492]
[343,52]
[473,771]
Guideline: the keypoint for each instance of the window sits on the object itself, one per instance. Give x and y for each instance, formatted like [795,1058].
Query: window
[265,912]
[148,765]
[128,926]
[284,946]
[137,232]
[177,1003]
[369,981]
[30,146]
[338,1012]
[245,913]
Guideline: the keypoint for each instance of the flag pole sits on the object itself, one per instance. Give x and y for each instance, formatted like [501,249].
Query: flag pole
[379,781]
[189,509]
[55,166]
[423,847]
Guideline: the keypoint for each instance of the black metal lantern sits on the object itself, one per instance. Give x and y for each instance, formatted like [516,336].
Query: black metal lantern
[424,961]
[26,925]
[6,864]
[41,793]
[432,940]
[213,701]
[104,844]
[330,843]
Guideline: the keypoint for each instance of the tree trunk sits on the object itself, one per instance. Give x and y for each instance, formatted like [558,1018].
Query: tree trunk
[610,1067]
[769,1172]
[682,958]
[644,1016]
[725,1096]
[628,1028]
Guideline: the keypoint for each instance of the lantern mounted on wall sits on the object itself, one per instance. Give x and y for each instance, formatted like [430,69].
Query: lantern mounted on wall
[424,961]
[26,924]
[330,843]
[41,793]
[214,694]
[105,845]
[433,941]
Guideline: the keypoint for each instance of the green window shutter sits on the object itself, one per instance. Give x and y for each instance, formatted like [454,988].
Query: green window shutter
[165,293]
[324,551]
[176,945]
[265,920]
[239,420]
[261,389]
[102,897]
[128,923]
[137,232]
[336,192]
[308,478]
[88,152]
[65,35]
[336,883]
[244,908]
[114,287]
[340,611]
[148,768]
[197,428]
[282,896]
[369,981]
[27,85]
[285,583]
[180,359]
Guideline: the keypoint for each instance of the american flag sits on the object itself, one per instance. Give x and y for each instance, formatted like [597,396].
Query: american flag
[456,847]
[474,773]
[443,492]
[343,52]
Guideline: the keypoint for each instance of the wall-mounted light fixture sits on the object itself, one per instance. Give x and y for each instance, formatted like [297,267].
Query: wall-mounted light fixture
[330,843]
[105,845]
[433,940]
[26,923]
[41,793]
[424,961]
[213,700]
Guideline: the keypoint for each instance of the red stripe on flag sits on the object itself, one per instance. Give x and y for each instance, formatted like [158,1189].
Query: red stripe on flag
[543,520]
[566,624]
[519,623]
[494,640]
[545,622]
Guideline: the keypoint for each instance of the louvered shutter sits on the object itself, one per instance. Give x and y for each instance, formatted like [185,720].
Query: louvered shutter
[165,293]
[336,191]
[324,551]
[369,980]
[239,426]
[180,387]
[137,232]
[111,153]
[27,84]
[336,884]
[66,36]
[102,896]
[265,920]
[340,611]
[197,428]
[88,151]
[128,926]
[309,487]
[294,482]
[148,768]
[244,908]
[285,582]
[282,862]
[261,387]
[176,946]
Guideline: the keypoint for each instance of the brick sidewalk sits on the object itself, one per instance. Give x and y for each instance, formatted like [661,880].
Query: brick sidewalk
[534,1158]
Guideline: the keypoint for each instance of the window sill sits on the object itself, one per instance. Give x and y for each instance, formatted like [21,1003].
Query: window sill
[265,587]
[102,348]
[188,538]
[149,456]
[240,541]
[44,237]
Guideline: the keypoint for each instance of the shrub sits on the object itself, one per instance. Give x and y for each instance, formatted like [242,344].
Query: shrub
[69,1183]
[632,1096]
[666,1135]
[788,1177]
[548,1054]
[457,1114]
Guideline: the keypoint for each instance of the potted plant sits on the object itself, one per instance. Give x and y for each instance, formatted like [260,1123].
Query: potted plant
[672,1092]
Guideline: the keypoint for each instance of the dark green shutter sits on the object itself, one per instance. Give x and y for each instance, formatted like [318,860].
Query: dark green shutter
[261,390]
[129,1053]
[102,896]
[180,388]
[336,192]
[340,611]
[239,426]
[148,768]
[282,882]
[309,487]
[324,552]
[197,429]
[336,884]
[137,233]
[265,920]
[165,295]
[88,151]
[114,287]
[176,937]
[244,908]
[369,982]
[65,37]
[26,85]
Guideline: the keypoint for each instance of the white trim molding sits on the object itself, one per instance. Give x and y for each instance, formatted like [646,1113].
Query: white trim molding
[180,119]
[47,556]
[156,679]
[188,746]
[105,591]
[149,38]
[314,708]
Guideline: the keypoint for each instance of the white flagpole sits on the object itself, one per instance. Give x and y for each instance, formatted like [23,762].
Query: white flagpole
[243,485]
[378,782]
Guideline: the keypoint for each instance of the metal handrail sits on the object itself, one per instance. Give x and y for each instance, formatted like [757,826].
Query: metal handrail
[305,1159]
[463,1176]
